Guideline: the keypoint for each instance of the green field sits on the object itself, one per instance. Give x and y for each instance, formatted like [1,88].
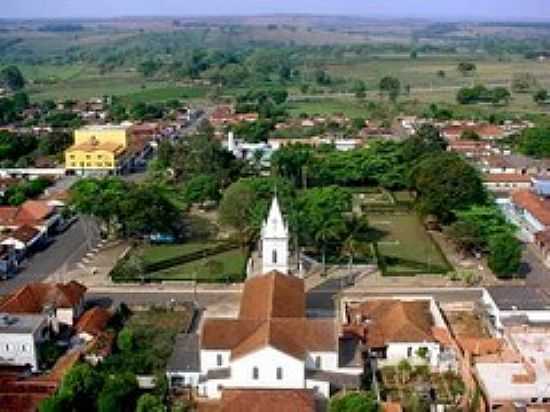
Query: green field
[157,253]
[405,245]
[233,263]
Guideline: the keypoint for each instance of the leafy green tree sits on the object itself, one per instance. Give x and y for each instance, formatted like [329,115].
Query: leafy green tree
[149,403]
[540,96]
[355,402]
[470,134]
[524,82]
[533,142]
[322,215]
[426,140]
[446,183]
[81,386]
[201,188]
[504,255]
[55,403]
[290,162]
[118,393]
[466,68]
[390,86]
[125,340]
[11,78]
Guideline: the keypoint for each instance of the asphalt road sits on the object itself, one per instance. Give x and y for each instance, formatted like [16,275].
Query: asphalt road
[65,250]
[319,303]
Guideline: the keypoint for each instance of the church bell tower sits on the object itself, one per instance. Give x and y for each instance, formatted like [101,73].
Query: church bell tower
[275,241]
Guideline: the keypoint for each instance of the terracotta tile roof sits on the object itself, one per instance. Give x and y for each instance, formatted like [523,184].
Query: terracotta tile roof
[93,321]
[394,321]
[507,178]
[266,400]
[272,310]
[538,207]
[391,407]
[33,297]
[242,337]
[273,295]
[25,233]
[32,212]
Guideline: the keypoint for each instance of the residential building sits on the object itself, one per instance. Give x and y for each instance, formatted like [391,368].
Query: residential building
[396,329]
[506,182]
[62,303]
[38,214]
[97,150]
[271,346]
[508,305]
[485,131]
[19,339]
[531,212]
[263,400]
[8,261]
[92,323]
[23,239]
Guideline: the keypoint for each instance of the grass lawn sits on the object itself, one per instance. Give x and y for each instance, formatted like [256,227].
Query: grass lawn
[156,253]
[165,93]
[405,244]
[231,265]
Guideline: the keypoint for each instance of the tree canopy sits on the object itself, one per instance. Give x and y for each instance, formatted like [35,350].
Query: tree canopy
[355,402]
[535,142]
[446,183]
[11,78]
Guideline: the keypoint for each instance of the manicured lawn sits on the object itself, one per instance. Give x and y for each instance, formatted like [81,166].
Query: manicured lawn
[231,266]
[156,253]
[405,245]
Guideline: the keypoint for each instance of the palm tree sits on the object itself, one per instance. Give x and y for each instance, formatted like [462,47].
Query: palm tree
[354,242]
[328,230]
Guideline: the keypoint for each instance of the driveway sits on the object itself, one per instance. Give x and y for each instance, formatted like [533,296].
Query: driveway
[65,251]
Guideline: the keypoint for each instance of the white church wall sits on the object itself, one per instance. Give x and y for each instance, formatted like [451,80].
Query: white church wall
[209,359]
[267,361]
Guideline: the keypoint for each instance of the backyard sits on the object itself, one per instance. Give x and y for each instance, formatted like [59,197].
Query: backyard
[146,341]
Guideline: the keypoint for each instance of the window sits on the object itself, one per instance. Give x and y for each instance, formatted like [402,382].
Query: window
[99,156]
[279,373]
[88,156]
[219,360]
[409,352]
[8,347]
[255,373]
[89,164]
[99,164]
[317,362]
[71,156]
[274,256]
[24,348]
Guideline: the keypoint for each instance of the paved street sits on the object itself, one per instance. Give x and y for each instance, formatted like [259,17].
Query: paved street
[532,269]
[65,251]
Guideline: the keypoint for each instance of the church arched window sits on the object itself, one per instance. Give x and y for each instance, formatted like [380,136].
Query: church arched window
[274,256]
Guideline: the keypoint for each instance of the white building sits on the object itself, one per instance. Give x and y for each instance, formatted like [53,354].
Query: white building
[275,241]
[510,305]
[19,337]
[270,346]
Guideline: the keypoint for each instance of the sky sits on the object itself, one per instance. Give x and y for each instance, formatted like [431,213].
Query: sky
[447,9]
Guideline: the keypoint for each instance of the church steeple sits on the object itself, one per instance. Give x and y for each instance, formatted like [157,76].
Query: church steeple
[275,239]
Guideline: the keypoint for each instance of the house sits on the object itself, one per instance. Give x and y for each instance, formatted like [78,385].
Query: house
[485,131]
[532,212]
[23,239]
[506,182]
[396,329]
[92,323]
[20,336]
[97,150]
[35,213]
[520,374]
[62,303]
[470,148]
[271,346]
[508,305]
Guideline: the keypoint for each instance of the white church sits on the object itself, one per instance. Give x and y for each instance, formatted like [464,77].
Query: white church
[272,345]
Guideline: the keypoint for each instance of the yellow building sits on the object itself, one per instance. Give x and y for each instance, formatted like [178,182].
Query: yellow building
[98,149]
